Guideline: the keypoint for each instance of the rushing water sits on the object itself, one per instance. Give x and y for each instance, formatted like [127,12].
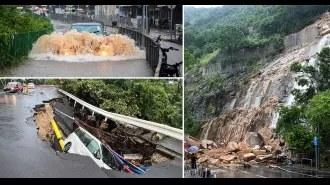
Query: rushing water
[311,52]
[74,46]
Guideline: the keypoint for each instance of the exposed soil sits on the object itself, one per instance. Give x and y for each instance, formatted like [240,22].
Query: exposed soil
[43,117]
[158,158]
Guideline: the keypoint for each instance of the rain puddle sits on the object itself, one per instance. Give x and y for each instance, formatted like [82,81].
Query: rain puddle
[78,47]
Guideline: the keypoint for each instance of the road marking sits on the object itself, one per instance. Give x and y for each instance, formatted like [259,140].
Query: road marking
[261,176]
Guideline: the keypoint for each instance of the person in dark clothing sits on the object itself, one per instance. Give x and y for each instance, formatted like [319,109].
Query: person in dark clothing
[193,161]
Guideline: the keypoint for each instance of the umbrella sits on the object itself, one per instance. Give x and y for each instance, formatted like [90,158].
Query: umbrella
[193,149]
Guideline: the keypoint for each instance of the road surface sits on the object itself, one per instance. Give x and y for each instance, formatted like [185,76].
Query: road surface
[262,172]
[23,154]
[52,68]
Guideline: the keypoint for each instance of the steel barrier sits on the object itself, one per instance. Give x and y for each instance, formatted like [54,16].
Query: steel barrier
[156,127]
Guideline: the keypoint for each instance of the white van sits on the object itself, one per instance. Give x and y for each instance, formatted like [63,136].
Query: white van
[83,143]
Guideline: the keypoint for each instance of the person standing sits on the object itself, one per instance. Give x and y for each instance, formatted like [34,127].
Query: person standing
[193,161]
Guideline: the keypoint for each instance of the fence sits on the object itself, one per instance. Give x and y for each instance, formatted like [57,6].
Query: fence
[22,43]
[15,46]
[144,42]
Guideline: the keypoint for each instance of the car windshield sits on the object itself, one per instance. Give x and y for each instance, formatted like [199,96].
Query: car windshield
[89,28]
[31,83]
[12,83]
[109,159]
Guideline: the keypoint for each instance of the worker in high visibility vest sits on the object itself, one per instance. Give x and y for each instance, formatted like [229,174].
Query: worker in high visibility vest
[26,88]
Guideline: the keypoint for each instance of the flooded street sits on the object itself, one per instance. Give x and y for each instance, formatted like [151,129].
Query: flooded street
[78,67]
[22,153]
[47,68]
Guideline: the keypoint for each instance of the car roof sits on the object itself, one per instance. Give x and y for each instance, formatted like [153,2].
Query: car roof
[87,23]
[13,82]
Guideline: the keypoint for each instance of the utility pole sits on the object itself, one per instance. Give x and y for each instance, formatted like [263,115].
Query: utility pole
[318,148]
[143,17]
[171,20]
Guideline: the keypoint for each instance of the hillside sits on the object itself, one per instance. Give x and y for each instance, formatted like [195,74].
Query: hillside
[255,75]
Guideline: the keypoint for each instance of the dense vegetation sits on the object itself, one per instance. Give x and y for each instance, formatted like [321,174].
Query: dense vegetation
[209,31]
[12,21]
[232,27]
[154,100]
[299,123]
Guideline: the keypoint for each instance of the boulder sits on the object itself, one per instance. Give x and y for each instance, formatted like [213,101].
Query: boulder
[325,26]
[202,159]
[252,139]
[265,135]
[260,158]
[259,152]
[208,142]
[227,158]
[214,161]
[275,144]
[243,146]
[203,145]
[232,147]
[248,157]
[324,32]
[276,152]
[256,147]
[268,148]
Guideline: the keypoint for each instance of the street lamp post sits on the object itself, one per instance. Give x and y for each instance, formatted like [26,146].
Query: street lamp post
[171,20]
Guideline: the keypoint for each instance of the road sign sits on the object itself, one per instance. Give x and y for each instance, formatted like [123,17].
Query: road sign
[315,141]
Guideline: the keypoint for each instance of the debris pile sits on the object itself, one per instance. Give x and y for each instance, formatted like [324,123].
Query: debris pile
[44,114]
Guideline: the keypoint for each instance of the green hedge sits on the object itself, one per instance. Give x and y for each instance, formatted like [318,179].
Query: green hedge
[18,32]
[14,47]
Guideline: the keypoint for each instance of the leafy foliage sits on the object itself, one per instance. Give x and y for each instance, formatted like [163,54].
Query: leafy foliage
[13,22]
[154,100]
[315,79]
[232,26]
[300,137]
[319,111]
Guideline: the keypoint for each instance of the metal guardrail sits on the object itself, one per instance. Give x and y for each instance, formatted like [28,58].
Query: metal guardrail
[156,127]
[144,42]
[306,159]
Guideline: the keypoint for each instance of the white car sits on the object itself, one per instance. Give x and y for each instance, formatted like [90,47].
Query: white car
[31,85]
[83,143]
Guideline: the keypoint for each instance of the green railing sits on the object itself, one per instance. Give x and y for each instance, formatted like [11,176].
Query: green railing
[22,43]
[15,46]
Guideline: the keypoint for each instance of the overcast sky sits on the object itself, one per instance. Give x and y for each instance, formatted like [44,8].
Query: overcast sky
[204,6]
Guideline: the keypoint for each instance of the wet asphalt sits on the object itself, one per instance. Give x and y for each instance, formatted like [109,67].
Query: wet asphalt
[23,154]
[50,68]
[260,172]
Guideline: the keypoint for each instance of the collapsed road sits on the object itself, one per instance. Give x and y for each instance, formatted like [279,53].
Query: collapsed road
[23,154]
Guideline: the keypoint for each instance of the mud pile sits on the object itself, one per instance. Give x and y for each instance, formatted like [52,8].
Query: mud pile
[73,43]
[234,126]
[42,118]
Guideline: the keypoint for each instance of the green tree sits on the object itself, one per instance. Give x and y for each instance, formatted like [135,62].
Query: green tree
[319,111]
[230,37]
[315,79]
